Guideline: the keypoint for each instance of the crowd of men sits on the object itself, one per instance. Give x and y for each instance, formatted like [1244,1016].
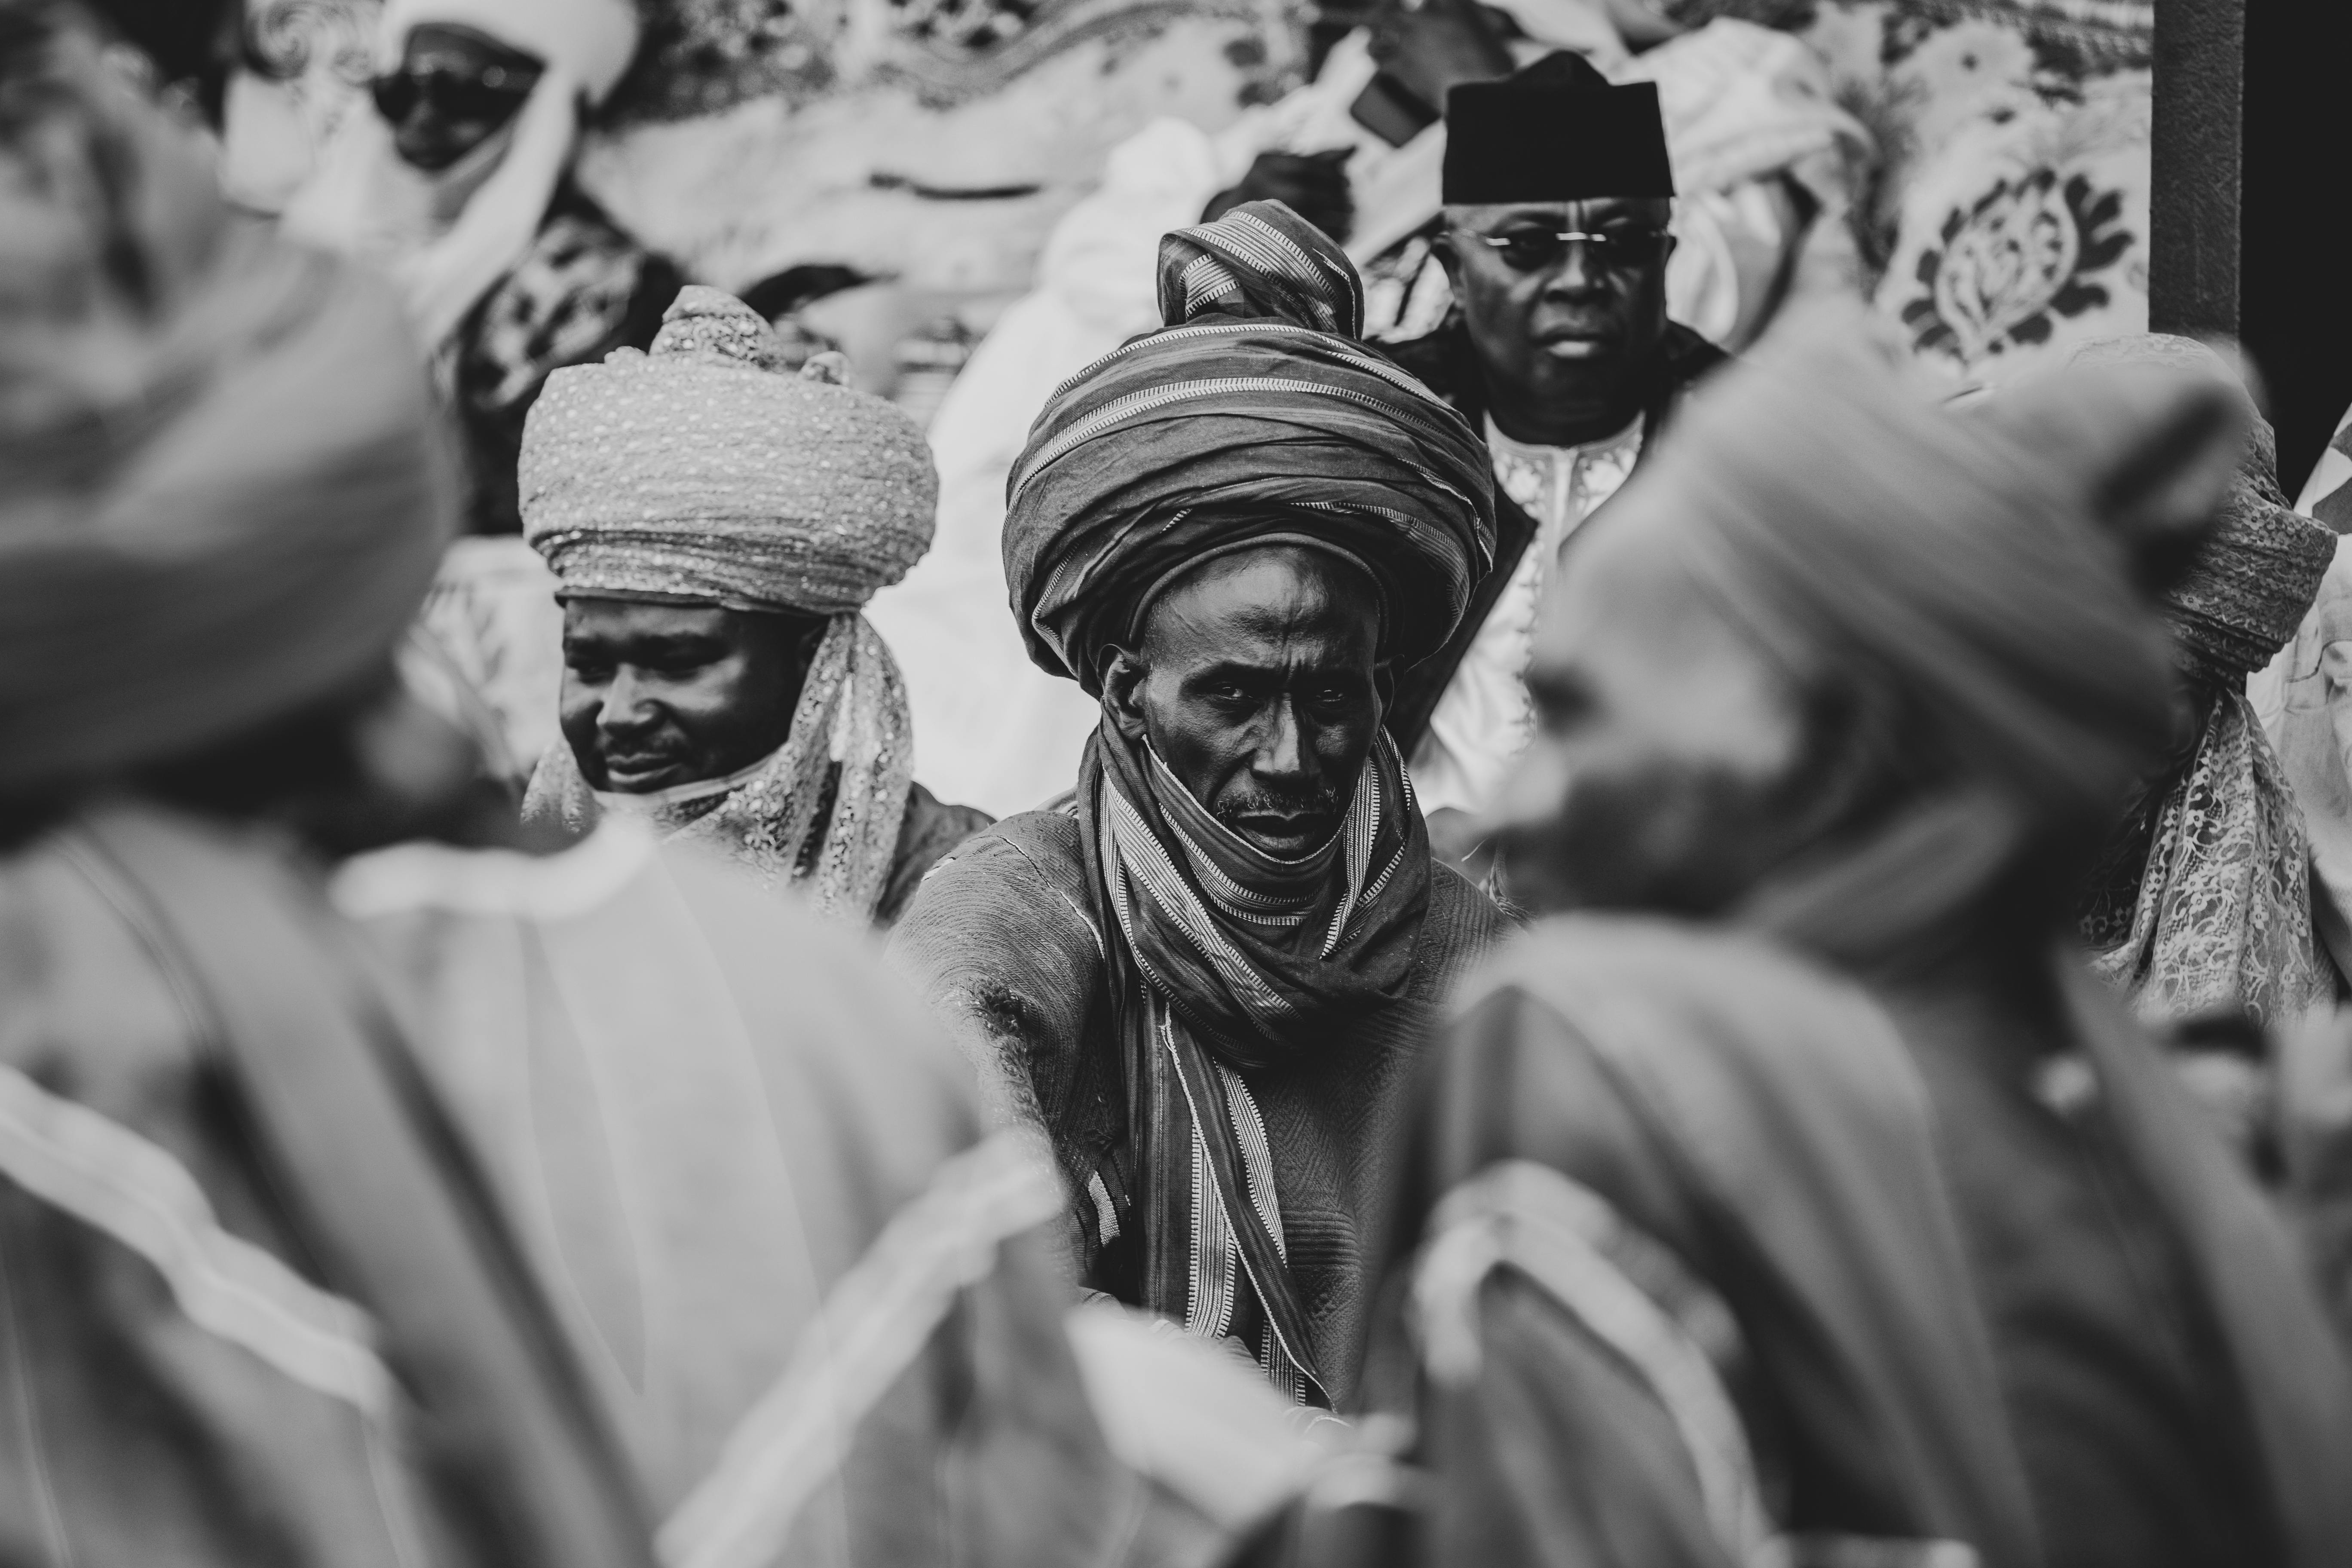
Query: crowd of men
[1848,1074]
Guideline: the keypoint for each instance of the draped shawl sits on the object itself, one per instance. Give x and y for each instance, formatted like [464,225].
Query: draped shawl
[1254,407]
[2205,903]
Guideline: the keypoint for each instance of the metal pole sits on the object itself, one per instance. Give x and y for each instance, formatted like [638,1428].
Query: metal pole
[2194,170]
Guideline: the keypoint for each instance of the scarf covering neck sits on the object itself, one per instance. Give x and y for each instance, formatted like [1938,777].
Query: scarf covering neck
[448,237]
[1223,961]
[222,488]
[821,813]
[1257,409]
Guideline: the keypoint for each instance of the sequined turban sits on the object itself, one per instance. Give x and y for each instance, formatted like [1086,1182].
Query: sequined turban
[1256,413]
[702,470]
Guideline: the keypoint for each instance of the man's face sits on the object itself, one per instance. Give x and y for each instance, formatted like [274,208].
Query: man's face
[1257,681]
[454,89]
[656,695]
[1666,753]
[1556,323]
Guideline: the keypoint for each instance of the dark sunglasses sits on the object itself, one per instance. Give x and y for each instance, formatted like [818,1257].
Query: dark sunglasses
[1620,248]
[490,94]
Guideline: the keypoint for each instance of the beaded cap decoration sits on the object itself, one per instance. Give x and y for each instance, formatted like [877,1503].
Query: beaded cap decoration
[702,470]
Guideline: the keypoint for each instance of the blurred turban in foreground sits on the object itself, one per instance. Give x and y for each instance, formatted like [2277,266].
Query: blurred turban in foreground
[1970,600]
[222,490]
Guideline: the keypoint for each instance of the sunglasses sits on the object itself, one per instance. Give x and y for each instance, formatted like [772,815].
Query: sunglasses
[491,94]
[1620,248]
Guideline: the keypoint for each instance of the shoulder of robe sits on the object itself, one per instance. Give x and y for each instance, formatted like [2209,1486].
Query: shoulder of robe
[1462,925]
[1013,891]
[1692,1005]
[1000,939]
[85,1009]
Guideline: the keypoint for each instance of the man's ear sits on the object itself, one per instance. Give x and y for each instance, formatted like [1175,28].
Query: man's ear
[1441,244]
[1384,687]
[1122,677]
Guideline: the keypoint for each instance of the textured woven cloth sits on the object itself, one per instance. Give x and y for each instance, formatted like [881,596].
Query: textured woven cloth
[699,469]
[1254,411]
[221,492]
[2204,901]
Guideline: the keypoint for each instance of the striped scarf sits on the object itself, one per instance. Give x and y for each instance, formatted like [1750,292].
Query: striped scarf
[1226,962]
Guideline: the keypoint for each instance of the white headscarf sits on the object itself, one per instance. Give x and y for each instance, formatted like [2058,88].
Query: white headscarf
[448,237]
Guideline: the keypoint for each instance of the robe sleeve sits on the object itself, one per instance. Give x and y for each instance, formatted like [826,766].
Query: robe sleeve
[999,944]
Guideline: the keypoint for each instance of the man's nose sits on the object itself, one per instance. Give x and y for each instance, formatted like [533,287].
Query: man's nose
[628,707]
[1282,753]
[1580,271]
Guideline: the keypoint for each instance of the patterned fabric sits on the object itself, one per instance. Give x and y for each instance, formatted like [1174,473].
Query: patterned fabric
[697,469]
[2221,919]
[794,818]
[1226,959]
[1265,416]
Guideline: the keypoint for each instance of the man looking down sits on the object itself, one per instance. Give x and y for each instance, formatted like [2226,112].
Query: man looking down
[1205,974]
[715,525]
[1801,1181]
[1558,194]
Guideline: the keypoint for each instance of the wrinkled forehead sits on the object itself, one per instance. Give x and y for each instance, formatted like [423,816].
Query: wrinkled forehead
[1273,602]
[1494,218]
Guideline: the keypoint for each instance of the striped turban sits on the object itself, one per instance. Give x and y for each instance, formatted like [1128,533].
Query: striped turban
[700,470]
[1254,414]
[221,496]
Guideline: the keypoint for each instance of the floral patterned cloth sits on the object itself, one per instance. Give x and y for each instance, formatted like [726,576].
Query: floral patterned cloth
[2223,916]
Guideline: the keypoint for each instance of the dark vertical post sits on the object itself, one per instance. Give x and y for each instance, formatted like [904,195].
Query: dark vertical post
[2296,315]
[2194,165]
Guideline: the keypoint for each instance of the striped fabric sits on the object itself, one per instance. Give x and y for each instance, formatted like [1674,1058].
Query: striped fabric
[1257,409]
[874,1322]
[132,1190]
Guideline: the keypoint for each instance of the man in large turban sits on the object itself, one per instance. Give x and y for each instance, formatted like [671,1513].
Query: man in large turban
[255,1308]
[1206,974]
[715,524]
[1797,1193]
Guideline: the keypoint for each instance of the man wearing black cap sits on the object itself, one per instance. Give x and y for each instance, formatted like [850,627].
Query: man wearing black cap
[1557,195]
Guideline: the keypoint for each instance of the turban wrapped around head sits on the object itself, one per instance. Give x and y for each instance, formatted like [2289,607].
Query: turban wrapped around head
[1985,576]
[2259,570]
[1254,414]
[700,470]
[222,488]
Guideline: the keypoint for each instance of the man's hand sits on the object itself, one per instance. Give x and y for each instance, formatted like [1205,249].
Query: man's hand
[1312,185]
